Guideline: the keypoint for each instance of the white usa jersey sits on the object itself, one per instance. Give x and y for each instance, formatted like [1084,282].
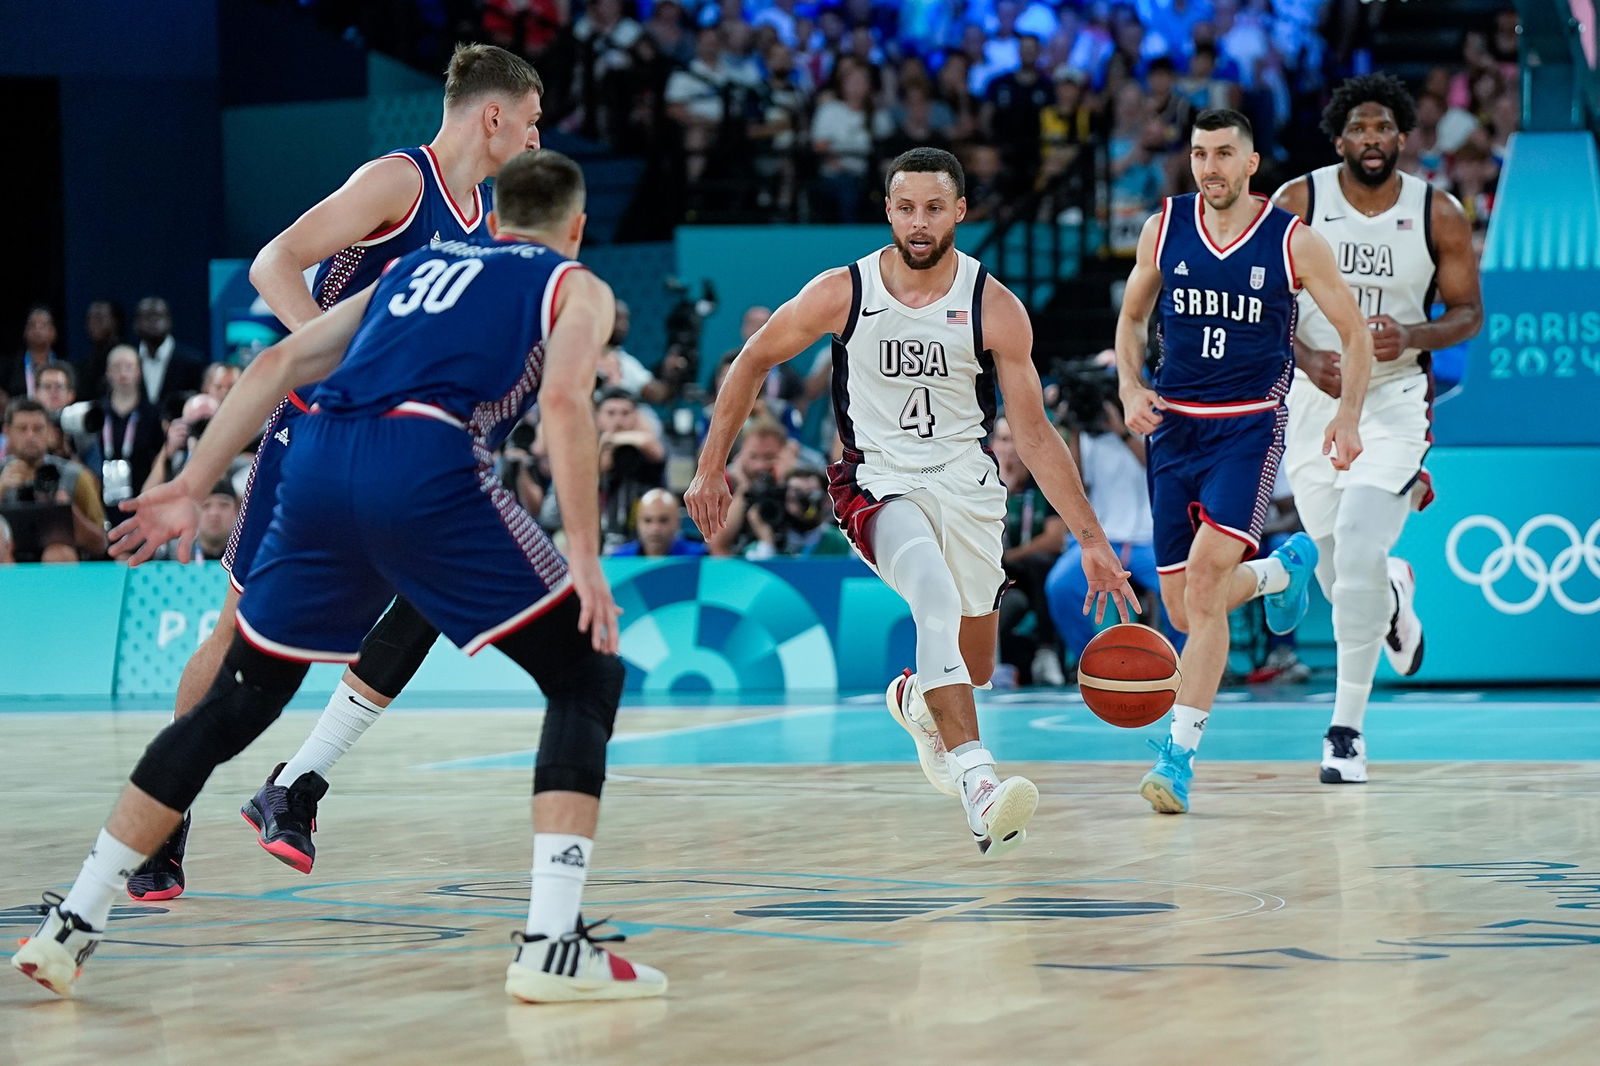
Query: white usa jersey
[1388,260]
[913,387]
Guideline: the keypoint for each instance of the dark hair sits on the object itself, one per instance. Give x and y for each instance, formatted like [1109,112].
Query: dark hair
[23,406]
[62,367]
[1384,90]
[1222,118]
[927,161]
[1207,47]
[538,189]
[1161,63]
[35,308]
[476,69]
[809,472]
[616,392]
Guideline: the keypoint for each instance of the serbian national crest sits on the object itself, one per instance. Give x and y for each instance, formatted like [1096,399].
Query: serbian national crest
[1258,277]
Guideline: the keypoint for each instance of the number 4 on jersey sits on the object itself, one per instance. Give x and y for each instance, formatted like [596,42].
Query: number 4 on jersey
[917,414]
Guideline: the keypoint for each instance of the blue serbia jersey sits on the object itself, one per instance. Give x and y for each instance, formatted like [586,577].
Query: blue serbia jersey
[434,217]
[458,326]
[1227,315]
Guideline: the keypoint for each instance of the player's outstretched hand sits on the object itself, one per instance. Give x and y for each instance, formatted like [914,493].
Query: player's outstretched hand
[708,500]
[1341,442]
[1322,367]
[1141,409]
[597,611]
[1108,580]
[165,512]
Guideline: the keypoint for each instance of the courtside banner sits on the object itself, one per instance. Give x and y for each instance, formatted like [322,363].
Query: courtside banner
[1508,565]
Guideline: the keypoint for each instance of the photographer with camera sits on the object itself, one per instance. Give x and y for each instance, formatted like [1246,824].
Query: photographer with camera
[795,519]
[632,462]
[1034,536]
[182,434]
[55,496]
[1112,460]
[755,474]
[118,434]
[55,388]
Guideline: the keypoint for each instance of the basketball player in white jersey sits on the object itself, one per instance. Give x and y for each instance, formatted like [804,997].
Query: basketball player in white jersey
[1400,244]
[922,335]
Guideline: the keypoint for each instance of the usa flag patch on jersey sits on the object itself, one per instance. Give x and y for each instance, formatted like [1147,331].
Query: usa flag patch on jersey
[955,318]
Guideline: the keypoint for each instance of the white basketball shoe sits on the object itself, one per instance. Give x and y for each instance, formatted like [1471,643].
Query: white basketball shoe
[573,967]
[1403,644]
[1344,757]
[54,955]
[911,711]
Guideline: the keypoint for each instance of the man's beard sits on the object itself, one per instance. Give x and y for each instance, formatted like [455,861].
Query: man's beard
[1231,196]
[1372,178]
[940,250]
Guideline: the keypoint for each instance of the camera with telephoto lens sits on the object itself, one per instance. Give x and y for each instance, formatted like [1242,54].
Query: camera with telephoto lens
[84,418]
[44,486]
[684,324]
[1085,387]
[765,498]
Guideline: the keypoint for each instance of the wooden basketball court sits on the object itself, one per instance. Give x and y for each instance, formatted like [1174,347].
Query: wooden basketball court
[813,901]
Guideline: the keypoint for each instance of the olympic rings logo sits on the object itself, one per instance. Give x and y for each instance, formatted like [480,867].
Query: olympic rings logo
[1548,578]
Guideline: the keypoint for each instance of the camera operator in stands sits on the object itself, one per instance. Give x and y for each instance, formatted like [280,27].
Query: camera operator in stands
[794,520]
[52,504]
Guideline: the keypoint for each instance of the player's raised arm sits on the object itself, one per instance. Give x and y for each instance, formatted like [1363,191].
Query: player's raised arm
[1008,334]
[822,307]
[1317,270]
[169,509]
[377,195]
[1141,407]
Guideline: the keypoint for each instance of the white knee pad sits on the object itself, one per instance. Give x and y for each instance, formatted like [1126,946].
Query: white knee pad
[1369,523]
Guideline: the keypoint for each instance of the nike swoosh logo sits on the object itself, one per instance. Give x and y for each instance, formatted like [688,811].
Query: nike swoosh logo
[875,311]
[952,669]
[1333,218]
[1411,388]
[984,480]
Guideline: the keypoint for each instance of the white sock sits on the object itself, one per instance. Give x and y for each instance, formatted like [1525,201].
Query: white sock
[1270,575]
[1350,703]
[560,866]
[346,717]
[103,878]
[1187,725]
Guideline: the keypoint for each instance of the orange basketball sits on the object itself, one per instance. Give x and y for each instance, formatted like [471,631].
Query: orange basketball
[1129,675]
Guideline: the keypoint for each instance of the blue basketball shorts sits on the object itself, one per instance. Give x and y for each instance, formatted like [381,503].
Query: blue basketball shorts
[372,508]
[1212,470]
[260,492]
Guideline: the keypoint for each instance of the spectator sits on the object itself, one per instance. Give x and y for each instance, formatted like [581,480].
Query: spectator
[658,525]
[985,174]
[218,512]
[1202,87]
[843,132]
[632,461]
[1474,178]
[19,374]
[55,387]
[1170,107]
[1033,539]
[170,369]
[701,99]
[1138,178]
[779,14]
[180,436]
[606,38]
[955,91]
[32,475]
[797,523]
[104,326]
[783,95]
[1012,114]
[219,380]
[619,369]
[129,430]
[666,30]
[1067,129]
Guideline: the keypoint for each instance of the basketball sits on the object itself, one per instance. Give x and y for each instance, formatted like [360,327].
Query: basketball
[1128,675]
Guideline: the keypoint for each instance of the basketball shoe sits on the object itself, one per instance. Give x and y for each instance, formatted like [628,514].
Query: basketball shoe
[285,817]
[998,815]
[911,711]
[574,967]
[161,876]
[1403,644]
[1344,757]
[1285,609]
[54,955]
[1166,786]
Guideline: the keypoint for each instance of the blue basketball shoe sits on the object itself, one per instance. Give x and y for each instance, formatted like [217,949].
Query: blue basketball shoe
[1166,786]
[1298,555]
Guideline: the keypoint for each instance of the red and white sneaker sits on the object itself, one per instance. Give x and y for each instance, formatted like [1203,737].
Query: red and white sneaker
[574,967]
[54,955]
[998,815]
[1403,644]
[911,711]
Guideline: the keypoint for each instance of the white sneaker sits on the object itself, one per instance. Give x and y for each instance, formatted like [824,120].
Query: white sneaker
[1344,757]
[911,711]
[55,953]
[998,815]
[1047,668]
[1403,644]
[574,967]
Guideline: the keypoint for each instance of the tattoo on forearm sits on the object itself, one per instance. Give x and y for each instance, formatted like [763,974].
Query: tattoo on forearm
[1086,535]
